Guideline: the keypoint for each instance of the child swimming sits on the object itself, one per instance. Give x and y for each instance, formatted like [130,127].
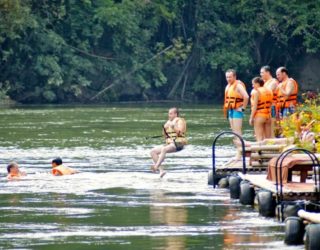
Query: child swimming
[13,171]
[59,169]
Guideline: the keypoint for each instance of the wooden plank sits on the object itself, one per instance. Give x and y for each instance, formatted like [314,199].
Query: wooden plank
[264,155]
[234,165]
[260,180]
[259,164]
[304,156]
[265,164]
[251,148]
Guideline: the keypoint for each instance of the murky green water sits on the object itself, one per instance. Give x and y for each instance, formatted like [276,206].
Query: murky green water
[115,202]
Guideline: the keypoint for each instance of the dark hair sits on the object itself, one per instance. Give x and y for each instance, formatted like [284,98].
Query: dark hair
[57,161]
[283,70]
[258,80]
[266,68]
[11,165]
[233,71]
[176,110]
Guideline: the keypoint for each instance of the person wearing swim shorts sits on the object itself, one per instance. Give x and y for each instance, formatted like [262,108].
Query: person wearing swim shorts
[174,131]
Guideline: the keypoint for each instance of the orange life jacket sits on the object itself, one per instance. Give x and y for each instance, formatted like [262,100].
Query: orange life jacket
[275,92]
[10,176]
[172,135]
[62,170]
[286,102]
[264,102]
[232,99]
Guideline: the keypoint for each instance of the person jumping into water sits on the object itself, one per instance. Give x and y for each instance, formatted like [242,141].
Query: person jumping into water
[174,131]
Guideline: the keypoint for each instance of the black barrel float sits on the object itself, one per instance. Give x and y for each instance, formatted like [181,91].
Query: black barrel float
[312,241]
[234,186]
[223,183]
[210,178]
[267,205]
[294,231]
[291,208]
[246,193]
[217,178]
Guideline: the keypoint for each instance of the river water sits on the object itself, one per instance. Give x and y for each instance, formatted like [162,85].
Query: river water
[115,202]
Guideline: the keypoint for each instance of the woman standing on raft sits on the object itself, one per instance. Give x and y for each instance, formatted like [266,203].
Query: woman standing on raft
[261,101]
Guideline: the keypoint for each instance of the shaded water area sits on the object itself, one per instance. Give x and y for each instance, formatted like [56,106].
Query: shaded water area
[115,202]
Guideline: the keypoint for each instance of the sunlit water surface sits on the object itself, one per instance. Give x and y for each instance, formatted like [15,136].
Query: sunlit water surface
[115,202]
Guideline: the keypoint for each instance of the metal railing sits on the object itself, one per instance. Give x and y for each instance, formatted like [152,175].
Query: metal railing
[279,181]
[244,168]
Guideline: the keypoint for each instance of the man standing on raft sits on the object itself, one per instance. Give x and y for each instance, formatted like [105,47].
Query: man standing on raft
[271,84]
[174,131]
[235,101]
[287,93]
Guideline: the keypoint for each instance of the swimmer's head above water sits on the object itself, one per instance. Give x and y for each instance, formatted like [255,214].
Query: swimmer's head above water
[56,162]
[14,171]
[13,168]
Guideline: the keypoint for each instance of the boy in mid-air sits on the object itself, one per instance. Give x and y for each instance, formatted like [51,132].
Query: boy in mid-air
[59,169]
[13,171]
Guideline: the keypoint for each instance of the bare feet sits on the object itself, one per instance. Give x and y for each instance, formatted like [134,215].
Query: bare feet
[162,173]
[153,169]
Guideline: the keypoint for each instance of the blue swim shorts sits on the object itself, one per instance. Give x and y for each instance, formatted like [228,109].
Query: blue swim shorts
[273,111]
[287,111]
[234,114]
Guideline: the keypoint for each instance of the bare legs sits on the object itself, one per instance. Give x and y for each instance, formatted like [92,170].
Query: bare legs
[236,127]
[269,128]
[260,127]
[273,126]
[158,155]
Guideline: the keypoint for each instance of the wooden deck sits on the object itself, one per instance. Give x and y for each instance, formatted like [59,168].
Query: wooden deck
[289,189]
[235,167]
[257,163]
[255,148]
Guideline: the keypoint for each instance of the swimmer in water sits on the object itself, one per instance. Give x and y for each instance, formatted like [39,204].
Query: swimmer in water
[59,169]
[13,171]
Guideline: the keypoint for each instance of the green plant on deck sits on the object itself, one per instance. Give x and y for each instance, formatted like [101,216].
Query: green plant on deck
[307,112]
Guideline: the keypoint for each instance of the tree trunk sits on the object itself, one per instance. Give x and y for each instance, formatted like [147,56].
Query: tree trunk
[186,76]
[176,85]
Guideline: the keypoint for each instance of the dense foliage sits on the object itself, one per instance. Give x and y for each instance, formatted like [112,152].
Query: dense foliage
[63,51]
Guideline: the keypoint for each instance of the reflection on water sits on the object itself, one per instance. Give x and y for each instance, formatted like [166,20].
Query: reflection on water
[171,216]
[115,202]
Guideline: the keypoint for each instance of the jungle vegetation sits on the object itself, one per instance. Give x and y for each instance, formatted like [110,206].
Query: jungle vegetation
[68,51]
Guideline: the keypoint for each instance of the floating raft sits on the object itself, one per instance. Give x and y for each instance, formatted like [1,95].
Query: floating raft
[257,158]
[291,191]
